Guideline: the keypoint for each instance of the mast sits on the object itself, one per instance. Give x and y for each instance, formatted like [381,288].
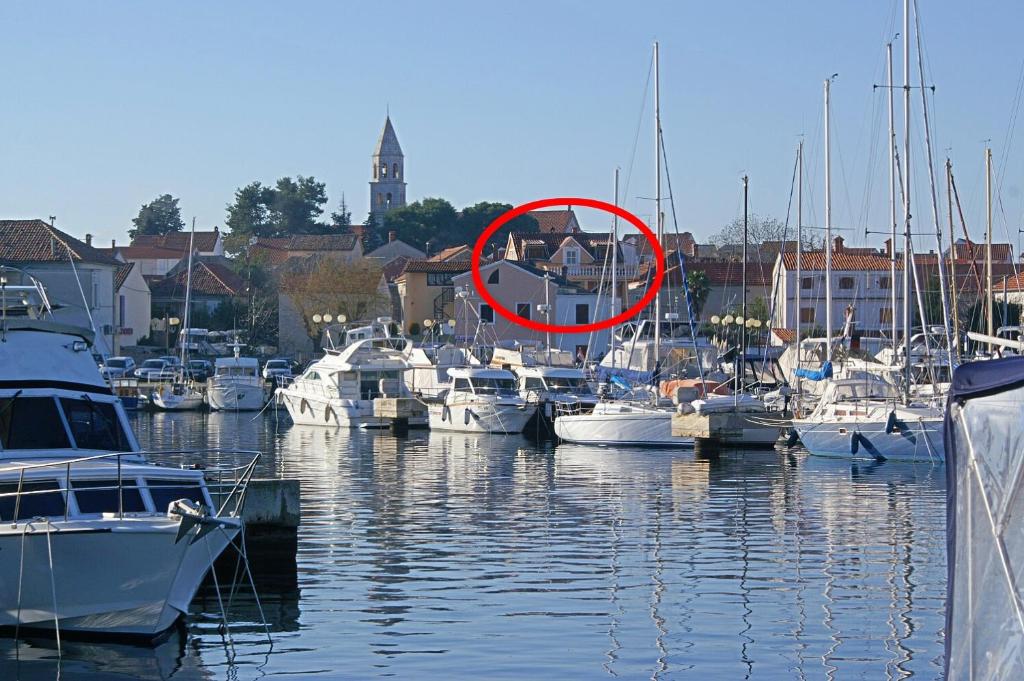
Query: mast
[828,228]
[892,200]
[952,263]
[743,298]
[989,316]
[906,200]
[188,298]
[799,233]
[657,203]
[615,264]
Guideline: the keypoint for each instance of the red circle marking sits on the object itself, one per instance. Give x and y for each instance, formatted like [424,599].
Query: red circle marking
[652,291]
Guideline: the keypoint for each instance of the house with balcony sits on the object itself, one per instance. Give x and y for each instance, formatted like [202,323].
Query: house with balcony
[426,291]
[583,259]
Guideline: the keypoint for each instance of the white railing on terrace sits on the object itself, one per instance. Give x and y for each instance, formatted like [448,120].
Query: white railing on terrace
[595,271]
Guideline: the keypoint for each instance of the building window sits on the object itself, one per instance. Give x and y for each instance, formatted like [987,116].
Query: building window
[582,313]
[120,310]
[572,256]
[486,313]
[383,169]
[439,278]
[388,201]
[495,277]
[394,171]
[885,315]
[523,310]
[806,283]
[380,198]
[807,315]
[846,282]
[884,282]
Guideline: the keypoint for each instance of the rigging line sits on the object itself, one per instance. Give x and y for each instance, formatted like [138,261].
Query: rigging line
[1011,126]
[639,124]
[778,274]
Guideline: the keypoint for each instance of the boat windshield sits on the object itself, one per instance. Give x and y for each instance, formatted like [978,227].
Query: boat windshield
[37,423]
[843,392]
[576,386]
[493,386]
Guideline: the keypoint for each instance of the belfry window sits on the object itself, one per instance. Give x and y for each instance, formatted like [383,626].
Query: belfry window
[383,169]
[388,203]
[394,171]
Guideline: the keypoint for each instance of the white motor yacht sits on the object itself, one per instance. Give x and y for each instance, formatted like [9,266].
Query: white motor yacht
[427,375]
[236,384]
[480,400]
[341,388]
[620,422]
[94,540]
[866,418]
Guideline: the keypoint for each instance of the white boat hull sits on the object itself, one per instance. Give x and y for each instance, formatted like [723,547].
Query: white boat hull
[629,427]
[312,410]
[168,401]
[236,395]
[923,441]
[127,577]
[480,417]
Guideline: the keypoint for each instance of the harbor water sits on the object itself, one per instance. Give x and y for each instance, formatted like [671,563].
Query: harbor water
[450,556]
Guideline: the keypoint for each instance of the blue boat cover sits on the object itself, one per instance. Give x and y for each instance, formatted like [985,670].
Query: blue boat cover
[816,375]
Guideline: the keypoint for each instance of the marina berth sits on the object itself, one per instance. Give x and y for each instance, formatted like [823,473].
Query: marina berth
[94,539]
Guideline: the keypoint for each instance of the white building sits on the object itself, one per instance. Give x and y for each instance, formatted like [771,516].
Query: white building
[861,281]
[134,304]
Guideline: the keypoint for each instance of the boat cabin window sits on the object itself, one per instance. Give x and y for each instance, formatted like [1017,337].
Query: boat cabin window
[578,386]
[532,383]
[369,382]
[312,376]
[462,385]
[31,423]
[101,496]
[94,425]
[38,498]
[493,386]
[231,370]
[166,491]
[860,391]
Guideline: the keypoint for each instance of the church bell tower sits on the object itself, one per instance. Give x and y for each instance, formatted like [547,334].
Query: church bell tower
[387,188]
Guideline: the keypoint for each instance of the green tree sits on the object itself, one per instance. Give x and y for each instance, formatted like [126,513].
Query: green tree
[699,286]
[296,204]
[250,213]
[342,217]
[159,216]
[371,234]
[418,222]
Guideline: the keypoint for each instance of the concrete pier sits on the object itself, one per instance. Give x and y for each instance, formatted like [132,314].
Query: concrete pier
[729,429]
[272,503]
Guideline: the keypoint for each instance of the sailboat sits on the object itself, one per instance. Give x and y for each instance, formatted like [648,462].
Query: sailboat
[181,394]
[631,421]
[867,416]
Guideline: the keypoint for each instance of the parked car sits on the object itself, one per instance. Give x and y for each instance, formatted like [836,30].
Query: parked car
[118,367]
[277,368]
[155,370]
[199,369]
[172,360]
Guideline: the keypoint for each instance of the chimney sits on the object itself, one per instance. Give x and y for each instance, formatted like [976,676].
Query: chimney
[88,239]
[888,248]
[695,248]
[113,244]
[837,245]
[392,235]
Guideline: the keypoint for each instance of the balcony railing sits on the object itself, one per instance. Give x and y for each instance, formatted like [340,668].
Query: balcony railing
[622,272]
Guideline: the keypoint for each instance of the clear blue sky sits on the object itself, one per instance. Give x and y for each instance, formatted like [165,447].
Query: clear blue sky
[110,104]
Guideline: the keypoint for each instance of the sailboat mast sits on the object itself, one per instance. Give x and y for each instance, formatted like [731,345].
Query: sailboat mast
[799,233]
[892,198]
[657,199]
[188,296]
[828,227]
[615,265]
[952,264]
[989,299]
[907,264]
[743,298]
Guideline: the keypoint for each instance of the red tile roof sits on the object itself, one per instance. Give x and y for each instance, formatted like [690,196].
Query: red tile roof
[1000,252]
[1014,284]
[437,266]
[149,253]
[25,241]
[451,252]
[843,261]
[784,335]
[322,242]
[205,242]
[553,221]
[718,273]
[121,275]
[595,244]
[208,279]
[394,268]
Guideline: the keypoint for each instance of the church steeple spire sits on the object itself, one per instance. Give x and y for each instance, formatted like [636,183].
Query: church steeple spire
[387,188]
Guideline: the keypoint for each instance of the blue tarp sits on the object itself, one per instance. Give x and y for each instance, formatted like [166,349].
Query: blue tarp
[816,375]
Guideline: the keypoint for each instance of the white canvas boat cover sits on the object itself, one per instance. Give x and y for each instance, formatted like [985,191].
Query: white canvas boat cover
[985,521]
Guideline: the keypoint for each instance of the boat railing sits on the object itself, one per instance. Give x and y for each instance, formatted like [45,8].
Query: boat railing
[227,484]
